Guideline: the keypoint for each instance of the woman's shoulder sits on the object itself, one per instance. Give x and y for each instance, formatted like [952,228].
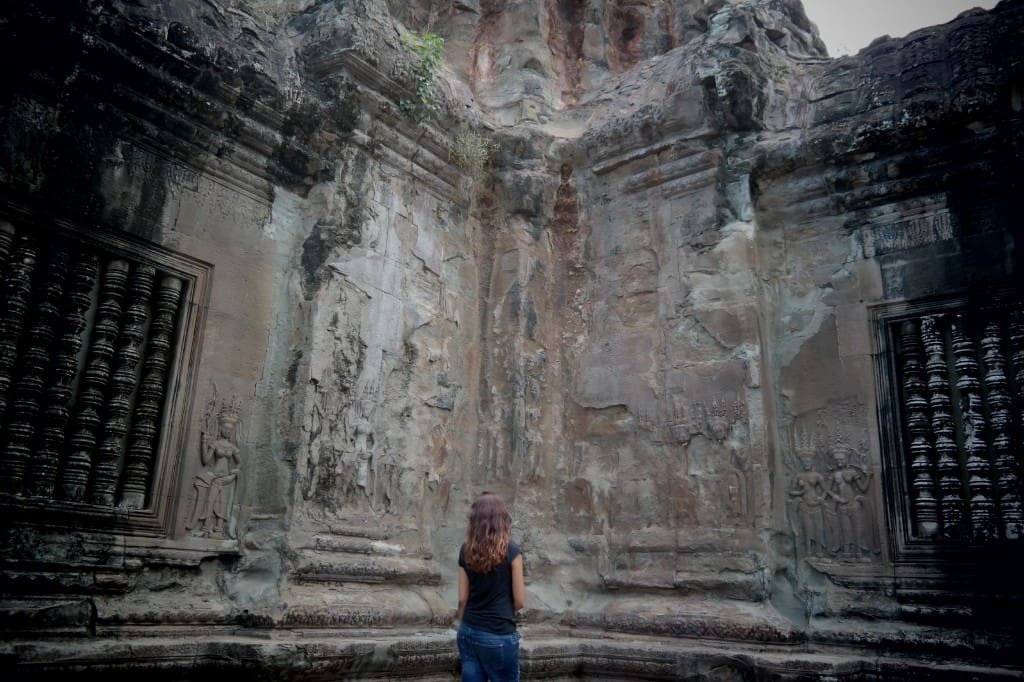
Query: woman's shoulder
[513,551]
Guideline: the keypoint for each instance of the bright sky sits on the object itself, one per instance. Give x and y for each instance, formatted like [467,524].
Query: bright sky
[846,26]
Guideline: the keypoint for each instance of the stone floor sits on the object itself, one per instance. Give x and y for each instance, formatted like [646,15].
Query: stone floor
[546,654]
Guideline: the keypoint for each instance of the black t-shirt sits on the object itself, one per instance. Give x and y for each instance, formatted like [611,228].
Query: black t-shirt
[489,607]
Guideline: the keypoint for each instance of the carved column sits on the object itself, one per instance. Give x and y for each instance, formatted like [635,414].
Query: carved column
[42,477]
[926,507]
[6,241]
[6,244]
[122,384]
[1001,421]
[951,499]
[979,471]
[146,422]
[94,381]
[17,296]
[35,358]
[1017,360]
[17,291]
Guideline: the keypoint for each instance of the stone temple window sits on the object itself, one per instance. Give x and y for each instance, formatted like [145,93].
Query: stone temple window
[98,337]
[951,408]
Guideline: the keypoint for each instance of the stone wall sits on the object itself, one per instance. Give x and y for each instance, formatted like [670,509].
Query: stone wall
[669,324]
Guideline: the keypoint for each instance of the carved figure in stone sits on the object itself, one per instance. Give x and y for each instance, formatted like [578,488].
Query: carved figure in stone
[216,486]
[679,425]
[362,432]
[527,441]
[720,419]
[387,478]
[719,461]
[848,488]
[807,497]
[716,419]
[718,424]
[738,481]
[357,467]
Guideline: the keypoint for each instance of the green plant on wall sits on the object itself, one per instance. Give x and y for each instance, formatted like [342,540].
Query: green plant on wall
[429,49]
[779,70]
[471,152]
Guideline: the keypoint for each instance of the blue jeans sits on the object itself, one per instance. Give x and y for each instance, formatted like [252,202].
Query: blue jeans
[487,656]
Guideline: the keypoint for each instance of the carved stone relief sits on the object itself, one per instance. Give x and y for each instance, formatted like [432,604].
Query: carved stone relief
[214,508]
[831,504]
[631,379]
[848,494]
[362,472]
[807,502]
[719,459]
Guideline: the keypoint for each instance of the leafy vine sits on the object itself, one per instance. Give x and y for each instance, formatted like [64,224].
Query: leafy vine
[429,48]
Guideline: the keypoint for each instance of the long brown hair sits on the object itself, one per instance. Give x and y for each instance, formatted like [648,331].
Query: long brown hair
[490,526]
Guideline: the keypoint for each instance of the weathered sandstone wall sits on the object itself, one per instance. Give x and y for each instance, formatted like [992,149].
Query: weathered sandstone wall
[659,325]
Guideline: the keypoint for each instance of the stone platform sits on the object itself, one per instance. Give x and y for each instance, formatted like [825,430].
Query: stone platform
[547,654]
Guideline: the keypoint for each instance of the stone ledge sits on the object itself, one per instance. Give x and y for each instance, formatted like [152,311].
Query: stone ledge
[431,655]
[685,617]
[731,584]
[342,568]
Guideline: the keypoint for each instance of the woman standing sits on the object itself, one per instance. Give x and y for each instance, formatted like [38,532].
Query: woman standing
[491,590]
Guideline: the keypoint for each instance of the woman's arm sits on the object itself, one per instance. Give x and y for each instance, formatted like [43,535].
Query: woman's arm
[518,585]
[463,592]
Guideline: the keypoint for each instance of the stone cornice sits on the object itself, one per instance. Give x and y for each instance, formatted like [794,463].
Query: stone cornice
[421,150]
[224,121]
[229,121]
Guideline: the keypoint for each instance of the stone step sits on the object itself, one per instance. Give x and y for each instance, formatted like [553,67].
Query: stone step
[347,544]
[367,529]
[682,616]
[431,654]
[70,616]
[364,568]
[750,586]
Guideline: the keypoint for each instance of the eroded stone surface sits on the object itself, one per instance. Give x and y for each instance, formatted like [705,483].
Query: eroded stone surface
[649,327]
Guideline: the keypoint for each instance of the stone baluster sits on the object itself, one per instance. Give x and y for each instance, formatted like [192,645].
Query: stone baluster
[17,294]
[922,466]
[105,471]
[43,474]
[7,234]
[1007,466]
[35,359]
[82,438]
[146,422]
[17,297]
[1017,361]
[979,471]
[6,241]
[951,498]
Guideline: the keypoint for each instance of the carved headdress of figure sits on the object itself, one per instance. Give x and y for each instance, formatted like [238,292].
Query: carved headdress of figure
[229,415]
[221,418]
[817,443]
[720,416]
